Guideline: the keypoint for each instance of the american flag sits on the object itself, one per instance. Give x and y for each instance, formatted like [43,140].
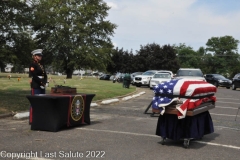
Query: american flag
[191,92]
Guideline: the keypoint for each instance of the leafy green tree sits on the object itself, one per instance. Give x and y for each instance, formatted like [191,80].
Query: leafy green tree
[226,45]
[188,58]
[141,60]
[170,61]
[74,32]
[203,60]
[128,62]
[117,60]
[121,61]
[225,51]
[15,42]
[131,63]
[201,51]
[155,57]
[207,64]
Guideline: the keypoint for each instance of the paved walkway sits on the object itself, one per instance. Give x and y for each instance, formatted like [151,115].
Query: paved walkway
[117,131]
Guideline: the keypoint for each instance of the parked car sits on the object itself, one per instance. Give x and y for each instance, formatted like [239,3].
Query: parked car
[236,82]
[158,78]
[105,77]
[112,77]
[166,71]
[218,80]
[119,77]
[135,74]
[144,79]
[190,73]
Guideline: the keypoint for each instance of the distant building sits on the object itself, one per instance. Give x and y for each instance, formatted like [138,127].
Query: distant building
[26,70]
[8,68]
[78,72]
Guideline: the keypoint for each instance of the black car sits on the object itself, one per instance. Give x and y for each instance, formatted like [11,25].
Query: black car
[236,82]
[218,80]
[105,77]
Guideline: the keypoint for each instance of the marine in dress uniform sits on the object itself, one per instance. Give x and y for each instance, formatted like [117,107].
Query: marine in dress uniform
[38,74]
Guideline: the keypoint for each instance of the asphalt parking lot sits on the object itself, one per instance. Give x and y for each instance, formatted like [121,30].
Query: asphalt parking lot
[123,131]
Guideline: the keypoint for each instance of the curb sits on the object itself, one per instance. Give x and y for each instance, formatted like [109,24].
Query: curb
[122,98]
[110,101]
[22,115]
[99,101]
[6,115]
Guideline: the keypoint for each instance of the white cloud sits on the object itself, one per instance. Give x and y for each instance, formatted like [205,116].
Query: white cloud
[169,22]
[115,44]
[112,5]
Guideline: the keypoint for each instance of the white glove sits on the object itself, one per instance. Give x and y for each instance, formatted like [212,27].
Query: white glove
[42,87]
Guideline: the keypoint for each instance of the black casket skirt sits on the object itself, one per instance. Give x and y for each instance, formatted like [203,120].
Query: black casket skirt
[169,126]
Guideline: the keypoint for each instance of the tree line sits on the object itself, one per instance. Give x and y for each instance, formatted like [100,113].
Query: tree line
[220,56]
[75,35]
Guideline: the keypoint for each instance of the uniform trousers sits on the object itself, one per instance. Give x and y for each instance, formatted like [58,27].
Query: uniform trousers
[33,92]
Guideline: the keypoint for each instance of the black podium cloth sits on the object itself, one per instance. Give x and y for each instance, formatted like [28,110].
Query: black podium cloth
[52,112]
[169,126]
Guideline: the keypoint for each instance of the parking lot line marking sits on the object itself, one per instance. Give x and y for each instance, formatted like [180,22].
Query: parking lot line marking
[226,107]
[224,114]
[216,144]
[227,102]
[229,98]
[150,135]
[227,128]
[109,131]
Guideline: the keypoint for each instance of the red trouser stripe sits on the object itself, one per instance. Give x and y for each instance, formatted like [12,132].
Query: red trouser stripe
[69,110]
[83,108]
[30,112]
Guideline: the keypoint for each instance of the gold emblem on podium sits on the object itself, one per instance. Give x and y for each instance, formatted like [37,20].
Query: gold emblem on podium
[77,108]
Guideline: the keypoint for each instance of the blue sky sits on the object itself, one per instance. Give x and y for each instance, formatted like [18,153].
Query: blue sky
[193,22]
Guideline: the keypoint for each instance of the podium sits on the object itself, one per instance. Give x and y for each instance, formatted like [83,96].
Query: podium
[51,112]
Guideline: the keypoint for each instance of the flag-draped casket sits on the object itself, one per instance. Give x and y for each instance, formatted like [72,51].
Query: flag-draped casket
[191,94]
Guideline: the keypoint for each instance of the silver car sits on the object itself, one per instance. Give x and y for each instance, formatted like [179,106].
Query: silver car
[158,78]
[190,73]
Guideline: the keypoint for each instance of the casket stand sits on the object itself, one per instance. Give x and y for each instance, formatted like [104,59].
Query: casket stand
[195,125]
[189,120]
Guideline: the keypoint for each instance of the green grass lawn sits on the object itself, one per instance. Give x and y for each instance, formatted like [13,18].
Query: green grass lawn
[13,91]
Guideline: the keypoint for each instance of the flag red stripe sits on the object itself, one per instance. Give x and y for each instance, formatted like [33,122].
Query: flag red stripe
[186,84]
[204,90]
